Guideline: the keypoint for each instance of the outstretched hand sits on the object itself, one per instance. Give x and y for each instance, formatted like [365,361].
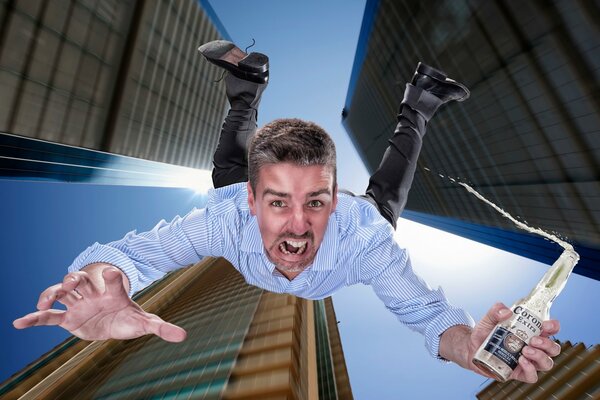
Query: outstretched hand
[537,356]
[98,309]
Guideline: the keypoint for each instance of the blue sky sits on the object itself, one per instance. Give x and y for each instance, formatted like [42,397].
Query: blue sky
[311,45]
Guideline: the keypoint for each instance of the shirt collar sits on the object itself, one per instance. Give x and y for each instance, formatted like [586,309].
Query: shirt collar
[325,258]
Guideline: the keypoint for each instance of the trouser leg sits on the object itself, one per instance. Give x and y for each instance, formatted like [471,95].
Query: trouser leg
[389,185]
[230,160]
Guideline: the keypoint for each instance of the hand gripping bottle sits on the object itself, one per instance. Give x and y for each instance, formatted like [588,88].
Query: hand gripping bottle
[500,352]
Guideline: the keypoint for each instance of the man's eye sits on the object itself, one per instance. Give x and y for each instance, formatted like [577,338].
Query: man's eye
[277,203]
[315,203]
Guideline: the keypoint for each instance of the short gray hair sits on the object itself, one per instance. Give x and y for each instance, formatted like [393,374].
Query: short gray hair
[290,140]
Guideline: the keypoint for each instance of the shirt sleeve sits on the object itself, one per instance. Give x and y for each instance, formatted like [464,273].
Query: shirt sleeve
[148,256]
[387,268]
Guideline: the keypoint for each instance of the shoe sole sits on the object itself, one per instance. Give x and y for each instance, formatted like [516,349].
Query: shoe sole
[216,49]
[441,76]
[254,67]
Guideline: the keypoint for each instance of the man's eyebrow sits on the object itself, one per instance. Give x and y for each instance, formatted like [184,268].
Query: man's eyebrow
[318,192]
[275,193]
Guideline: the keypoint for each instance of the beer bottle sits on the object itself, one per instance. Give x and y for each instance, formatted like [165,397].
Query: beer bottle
[500,352]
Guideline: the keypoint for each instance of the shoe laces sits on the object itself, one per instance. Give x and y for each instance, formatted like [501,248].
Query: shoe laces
[252,45]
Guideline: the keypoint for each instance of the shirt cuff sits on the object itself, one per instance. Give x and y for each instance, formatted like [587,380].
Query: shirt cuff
[440,324]
[98,253]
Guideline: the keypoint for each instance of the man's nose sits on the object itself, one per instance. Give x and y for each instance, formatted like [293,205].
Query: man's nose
[299,223]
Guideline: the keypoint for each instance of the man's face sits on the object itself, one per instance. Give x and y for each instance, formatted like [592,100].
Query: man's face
[292,204]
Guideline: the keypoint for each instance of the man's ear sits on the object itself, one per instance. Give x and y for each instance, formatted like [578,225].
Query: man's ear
[251,200]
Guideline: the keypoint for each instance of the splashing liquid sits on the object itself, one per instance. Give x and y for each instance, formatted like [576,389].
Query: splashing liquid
[520,224]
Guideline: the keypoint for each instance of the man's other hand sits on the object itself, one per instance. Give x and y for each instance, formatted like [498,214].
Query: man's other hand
[98,308]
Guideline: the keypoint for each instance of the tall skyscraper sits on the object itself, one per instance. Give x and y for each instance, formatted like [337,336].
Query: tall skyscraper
[527,138]
[242,343]
[121,77]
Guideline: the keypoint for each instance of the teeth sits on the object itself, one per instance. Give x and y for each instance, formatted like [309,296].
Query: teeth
[301,246]
[296,244]
[283,249]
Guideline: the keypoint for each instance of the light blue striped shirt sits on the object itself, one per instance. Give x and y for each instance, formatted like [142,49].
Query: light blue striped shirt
[358,247]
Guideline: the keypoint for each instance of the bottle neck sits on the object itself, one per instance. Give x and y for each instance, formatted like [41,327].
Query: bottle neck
[554,280]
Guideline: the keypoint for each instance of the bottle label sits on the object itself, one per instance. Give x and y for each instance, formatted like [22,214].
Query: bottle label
[507,341]
[525,324]
[506,346]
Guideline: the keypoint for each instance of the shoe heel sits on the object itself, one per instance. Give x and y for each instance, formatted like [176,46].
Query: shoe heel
[255,63]
[430,71]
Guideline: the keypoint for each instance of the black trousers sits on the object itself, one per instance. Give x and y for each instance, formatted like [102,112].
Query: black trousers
[388,187]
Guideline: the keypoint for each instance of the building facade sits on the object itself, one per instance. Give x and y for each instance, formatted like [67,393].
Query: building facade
[527,139]
[243,343]
[121,77]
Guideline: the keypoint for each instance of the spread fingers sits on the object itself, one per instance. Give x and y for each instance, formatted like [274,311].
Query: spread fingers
[39,318]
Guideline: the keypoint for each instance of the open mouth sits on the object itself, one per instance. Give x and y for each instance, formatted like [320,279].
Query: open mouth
[293,247]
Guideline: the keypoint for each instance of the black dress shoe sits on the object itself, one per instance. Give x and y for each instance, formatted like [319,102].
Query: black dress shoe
[435,82]
[253,67]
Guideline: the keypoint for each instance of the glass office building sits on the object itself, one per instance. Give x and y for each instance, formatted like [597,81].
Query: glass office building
[528,138]
[121,77]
